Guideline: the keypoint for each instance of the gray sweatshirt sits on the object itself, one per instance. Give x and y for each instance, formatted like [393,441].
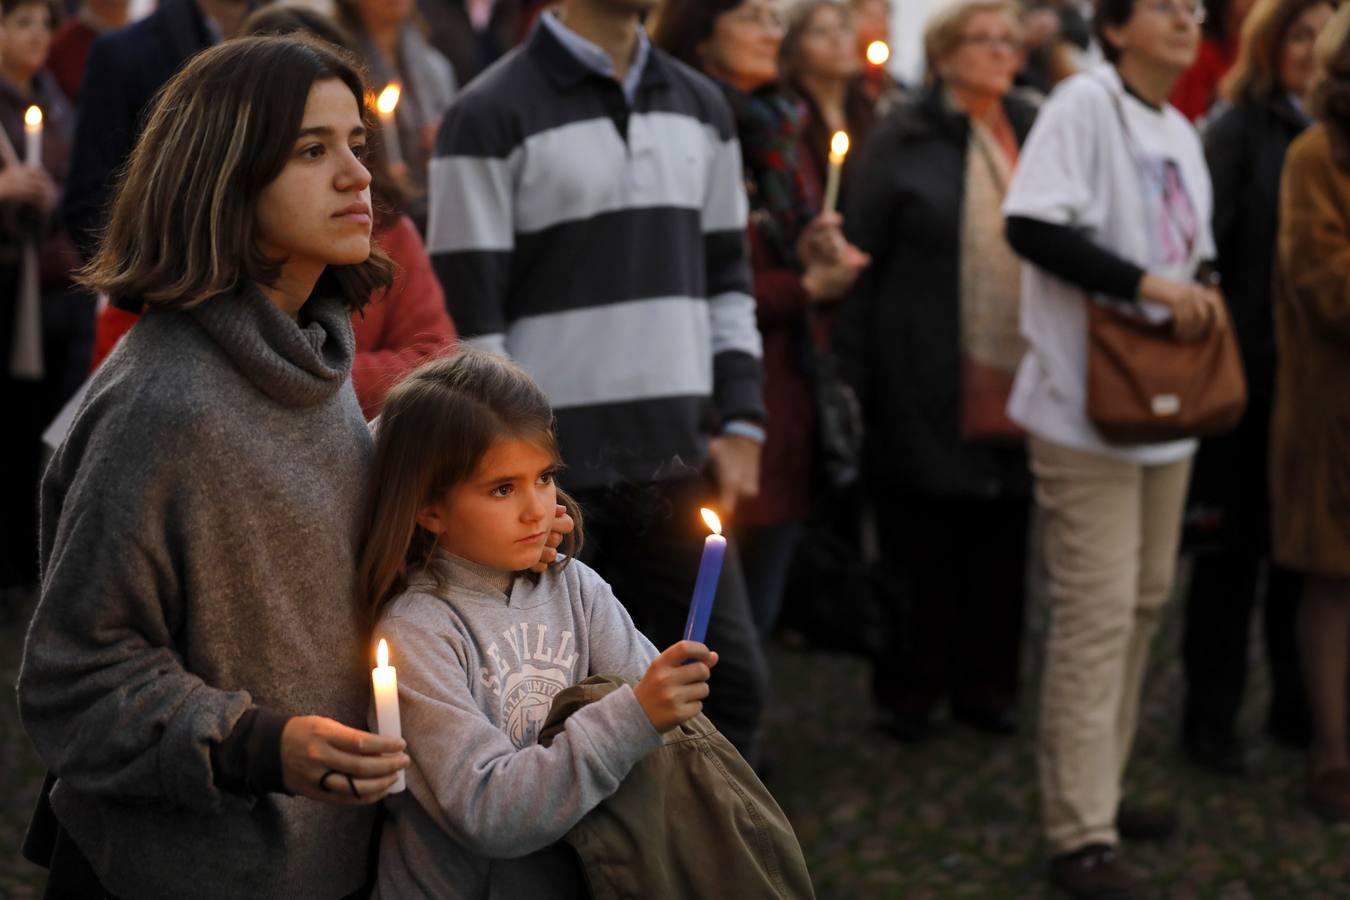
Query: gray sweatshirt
[477,672]
[199,533]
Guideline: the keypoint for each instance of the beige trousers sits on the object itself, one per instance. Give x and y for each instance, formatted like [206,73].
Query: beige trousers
[1112,534]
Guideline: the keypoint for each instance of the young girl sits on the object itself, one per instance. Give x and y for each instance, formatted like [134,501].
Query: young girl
[461,502]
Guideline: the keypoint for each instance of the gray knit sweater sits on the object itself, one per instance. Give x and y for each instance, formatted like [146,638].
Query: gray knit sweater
[199,535]
[477,671]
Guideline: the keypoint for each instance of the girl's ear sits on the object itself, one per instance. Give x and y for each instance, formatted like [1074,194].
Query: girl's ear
[433,517]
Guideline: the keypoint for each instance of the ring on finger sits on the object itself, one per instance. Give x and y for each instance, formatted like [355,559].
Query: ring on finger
[325,776]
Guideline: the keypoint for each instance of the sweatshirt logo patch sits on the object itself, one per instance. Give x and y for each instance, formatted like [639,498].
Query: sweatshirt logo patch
[529,695]
[526,691]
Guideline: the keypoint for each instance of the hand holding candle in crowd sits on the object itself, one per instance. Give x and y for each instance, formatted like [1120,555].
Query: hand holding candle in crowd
[387,720]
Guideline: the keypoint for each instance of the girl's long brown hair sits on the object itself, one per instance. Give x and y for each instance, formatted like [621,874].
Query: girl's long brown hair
[435,428]
[182,228]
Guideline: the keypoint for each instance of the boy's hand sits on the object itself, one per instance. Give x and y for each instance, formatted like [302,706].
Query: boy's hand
[671,693]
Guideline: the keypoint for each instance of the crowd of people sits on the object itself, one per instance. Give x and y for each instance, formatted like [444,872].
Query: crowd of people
[439,322]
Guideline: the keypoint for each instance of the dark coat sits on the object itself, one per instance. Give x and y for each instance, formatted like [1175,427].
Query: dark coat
[691,819]
[1245,145]
[125,70]
[1310,434]
[898,334]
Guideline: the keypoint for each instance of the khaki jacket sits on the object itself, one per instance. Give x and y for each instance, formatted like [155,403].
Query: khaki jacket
[691,820]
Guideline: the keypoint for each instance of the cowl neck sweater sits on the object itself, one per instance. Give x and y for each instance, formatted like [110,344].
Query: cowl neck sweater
[200,526]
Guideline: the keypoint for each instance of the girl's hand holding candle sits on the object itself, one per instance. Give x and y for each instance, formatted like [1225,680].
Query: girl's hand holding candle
[387,721]
[838,150]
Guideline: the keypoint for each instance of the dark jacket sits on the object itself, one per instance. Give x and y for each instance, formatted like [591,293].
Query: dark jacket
[690,820]
[898,334]
[1245,146]
[125,70]
[469,51]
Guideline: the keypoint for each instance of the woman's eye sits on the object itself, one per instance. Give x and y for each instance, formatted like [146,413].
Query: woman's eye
[360,151]
[313,151]
[501,490]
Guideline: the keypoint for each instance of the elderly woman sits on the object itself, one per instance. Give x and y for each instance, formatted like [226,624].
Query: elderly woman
[821,65]
[800,263]
[930,333]
[1113,200]
[1245,145]
[1310,443]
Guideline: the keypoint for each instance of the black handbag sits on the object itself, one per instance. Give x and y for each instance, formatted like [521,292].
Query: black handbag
[839,421]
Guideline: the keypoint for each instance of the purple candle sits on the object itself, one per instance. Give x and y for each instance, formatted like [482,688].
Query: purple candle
[705,587]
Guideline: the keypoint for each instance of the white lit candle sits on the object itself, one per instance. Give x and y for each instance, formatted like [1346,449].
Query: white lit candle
[877,53]
[838,150]
[386,105]
[32,133]
[387,722]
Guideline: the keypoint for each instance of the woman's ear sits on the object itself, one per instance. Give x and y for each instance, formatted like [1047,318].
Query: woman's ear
[1115,36]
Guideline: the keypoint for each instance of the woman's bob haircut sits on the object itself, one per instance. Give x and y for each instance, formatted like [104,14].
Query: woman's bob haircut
[182,227]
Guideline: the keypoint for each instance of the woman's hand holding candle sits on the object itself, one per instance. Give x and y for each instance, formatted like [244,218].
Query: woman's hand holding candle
[676,683]
[312,747]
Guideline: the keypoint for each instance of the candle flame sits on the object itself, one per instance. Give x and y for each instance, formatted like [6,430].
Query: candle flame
[839,145]
[878,53]
[388,99]
[33,117]
[711,518]
[382,654]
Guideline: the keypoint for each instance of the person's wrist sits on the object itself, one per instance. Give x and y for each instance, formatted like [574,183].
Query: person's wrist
[744,428]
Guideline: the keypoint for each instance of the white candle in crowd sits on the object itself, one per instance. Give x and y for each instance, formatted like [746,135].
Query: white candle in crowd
[878,53]
[386,105]
[387,722]
[838,150]
[32,132]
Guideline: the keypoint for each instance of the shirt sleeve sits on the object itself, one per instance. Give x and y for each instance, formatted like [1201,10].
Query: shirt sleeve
[736,345]
[471,226]
[616,646]
[496,800]
[104,693]
[1068,255]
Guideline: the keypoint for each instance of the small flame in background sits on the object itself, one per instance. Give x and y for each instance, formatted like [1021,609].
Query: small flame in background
[711,518]
[382,654]
[878,53]
[388,99]
[839,144]
[33,117]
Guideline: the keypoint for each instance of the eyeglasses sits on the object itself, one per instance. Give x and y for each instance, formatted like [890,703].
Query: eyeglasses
[1186,10]
[992,41]
[764,19]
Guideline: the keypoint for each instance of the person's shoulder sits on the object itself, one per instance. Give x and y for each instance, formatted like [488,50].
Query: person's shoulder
[1090,89]
[126,45]
[1310,150]
[500,86]
[707,102]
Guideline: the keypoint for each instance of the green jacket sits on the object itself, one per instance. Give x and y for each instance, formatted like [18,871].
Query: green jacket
[691,820]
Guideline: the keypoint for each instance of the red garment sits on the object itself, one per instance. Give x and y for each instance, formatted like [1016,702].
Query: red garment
[1198,87]
[399,328]
[785,478]
[69,52]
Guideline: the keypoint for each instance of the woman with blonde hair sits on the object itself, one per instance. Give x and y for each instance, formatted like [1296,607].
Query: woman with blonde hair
[930,335]
[1310,441]
[1267,94]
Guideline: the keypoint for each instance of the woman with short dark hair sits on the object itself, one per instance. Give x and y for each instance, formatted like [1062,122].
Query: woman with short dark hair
[196,675]
[1111,203]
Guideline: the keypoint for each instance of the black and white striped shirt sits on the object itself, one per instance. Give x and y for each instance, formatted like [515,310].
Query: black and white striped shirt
[602,246]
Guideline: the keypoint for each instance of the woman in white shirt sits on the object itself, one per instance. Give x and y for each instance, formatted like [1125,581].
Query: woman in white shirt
[1112,199]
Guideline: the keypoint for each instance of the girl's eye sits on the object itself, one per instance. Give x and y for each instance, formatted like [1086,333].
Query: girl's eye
[359,151]
[547,477]
[313,151]
[501,490]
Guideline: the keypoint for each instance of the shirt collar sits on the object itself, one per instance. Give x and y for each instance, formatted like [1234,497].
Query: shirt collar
[596,61]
